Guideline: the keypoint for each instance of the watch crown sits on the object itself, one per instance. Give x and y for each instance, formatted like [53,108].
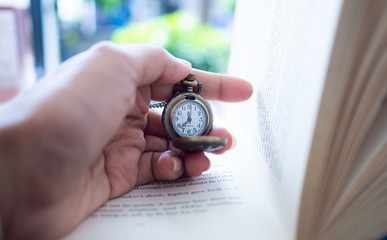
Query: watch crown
[190,77]
[189,82]
[188,85]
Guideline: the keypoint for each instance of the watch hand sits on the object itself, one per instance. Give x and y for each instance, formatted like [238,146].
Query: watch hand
[189,119]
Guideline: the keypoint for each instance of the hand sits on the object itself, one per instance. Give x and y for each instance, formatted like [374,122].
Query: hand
[84,134]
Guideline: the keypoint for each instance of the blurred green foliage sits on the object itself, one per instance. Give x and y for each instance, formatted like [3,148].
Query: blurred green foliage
[107,4]
[184,36]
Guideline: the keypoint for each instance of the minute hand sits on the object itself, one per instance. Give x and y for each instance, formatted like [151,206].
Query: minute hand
[189,119]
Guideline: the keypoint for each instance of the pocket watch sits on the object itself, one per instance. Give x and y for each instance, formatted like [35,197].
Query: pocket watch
[187,118]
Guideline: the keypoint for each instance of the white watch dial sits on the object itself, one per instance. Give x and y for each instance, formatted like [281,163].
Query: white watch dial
[189,119]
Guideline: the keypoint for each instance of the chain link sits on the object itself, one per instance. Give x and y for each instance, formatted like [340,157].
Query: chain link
[158,105]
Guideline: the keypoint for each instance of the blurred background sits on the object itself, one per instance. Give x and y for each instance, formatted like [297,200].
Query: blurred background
[195,30]
[37,35]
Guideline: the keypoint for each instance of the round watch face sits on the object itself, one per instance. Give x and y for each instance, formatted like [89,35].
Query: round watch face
[189,118]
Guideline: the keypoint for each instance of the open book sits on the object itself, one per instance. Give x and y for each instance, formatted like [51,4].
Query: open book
[311,160]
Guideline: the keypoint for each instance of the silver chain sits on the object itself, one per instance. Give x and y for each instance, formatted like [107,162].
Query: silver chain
[158,105]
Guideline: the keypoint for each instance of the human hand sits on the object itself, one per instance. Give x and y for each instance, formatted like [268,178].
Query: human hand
[84,134]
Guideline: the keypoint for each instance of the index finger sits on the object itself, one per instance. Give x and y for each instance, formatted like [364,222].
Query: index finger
[223,87]
[214,87]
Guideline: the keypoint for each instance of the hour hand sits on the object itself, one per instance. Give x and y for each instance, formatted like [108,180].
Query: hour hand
[189,119]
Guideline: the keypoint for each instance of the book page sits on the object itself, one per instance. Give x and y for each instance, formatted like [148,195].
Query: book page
[365,187]
[365,91]
[216,205]
[354,89]
[283,48]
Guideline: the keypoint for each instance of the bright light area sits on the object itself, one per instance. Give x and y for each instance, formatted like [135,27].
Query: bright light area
[70,10]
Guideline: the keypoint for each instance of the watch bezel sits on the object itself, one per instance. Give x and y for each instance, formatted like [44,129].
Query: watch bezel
[171,106]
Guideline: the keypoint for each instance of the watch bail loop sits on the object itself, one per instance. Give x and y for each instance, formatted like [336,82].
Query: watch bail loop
[188,85]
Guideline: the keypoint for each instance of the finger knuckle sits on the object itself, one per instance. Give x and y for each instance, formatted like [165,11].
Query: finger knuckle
[155,50]
[106,48]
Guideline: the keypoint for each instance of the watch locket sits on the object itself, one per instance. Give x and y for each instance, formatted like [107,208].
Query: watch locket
[187,118]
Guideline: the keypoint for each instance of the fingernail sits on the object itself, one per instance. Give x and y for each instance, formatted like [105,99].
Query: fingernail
[185,62]
[176,164]
[234,142]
